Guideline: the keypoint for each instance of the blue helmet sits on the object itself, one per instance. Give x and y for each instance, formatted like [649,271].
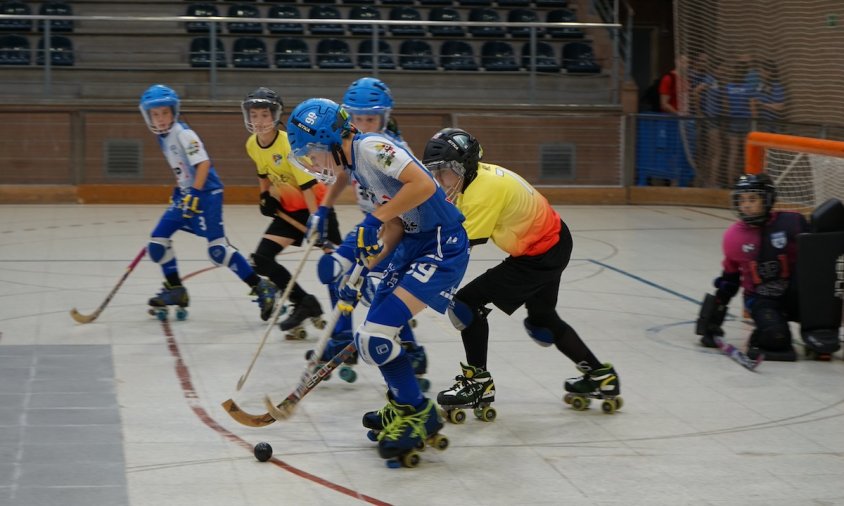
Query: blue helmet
[159,95]
[315,130]
[369,96]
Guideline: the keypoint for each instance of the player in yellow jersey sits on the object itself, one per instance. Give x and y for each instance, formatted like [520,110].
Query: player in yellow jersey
[286,194]
[501,206]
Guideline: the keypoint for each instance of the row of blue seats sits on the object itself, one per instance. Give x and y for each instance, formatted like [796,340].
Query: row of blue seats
[399,13]
[459,3]
[16,50]
[251,52]
[16,7]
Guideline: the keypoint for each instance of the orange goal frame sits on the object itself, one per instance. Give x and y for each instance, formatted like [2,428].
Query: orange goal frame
[758,142]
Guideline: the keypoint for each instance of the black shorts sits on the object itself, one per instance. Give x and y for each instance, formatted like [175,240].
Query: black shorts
[530,280]
[281,228]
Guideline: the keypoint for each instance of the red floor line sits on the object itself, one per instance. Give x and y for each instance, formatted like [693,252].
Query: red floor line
[183,374]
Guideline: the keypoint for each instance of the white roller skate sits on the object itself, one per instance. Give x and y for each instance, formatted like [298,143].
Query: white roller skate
[170,295]
[474,389]
[307,308]
[601,384]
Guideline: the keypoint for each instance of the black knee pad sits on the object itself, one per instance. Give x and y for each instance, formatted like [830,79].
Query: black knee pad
[264,257]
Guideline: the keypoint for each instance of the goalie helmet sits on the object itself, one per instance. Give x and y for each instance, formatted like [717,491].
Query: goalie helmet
[159,95]
[369,96]
[760,184]
[262,98]
[316,128]
[456,150]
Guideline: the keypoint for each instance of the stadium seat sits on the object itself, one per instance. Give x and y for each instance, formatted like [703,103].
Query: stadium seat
[15,50]
[325,12]
[200,10]
[250,52]
[61,51]
[292,53]
[406,14]
[396,2]
[551,3]
[200,53]
[457,55]
[498,56]
[481,14]
[448,15]
[357,2]
[578,58]
[438,2]
[242,10]
[563,16]
[513,3]
[56,9]
[366,12]
[386,59]
[546,60]
[14,7]
[476,3]
[523,16]
[416,54]
[334,54]
[285,12]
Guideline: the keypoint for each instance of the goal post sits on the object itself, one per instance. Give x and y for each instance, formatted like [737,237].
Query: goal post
[807,171]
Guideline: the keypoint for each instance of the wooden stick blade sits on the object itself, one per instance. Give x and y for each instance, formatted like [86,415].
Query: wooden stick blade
[244,418]
[282,411]
[81,318]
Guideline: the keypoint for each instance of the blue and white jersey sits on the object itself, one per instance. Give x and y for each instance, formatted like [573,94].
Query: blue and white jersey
[364,199]
[184,150]
[377,163]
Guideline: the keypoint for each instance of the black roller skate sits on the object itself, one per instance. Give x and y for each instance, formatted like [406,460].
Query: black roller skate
[265,293]
[170,295]
[375,421]
[474,389]
[601,383]
[335,345]
[419,361]
[307,308]
[406,434]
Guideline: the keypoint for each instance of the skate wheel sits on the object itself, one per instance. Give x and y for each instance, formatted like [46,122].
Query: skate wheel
[348,374]
[159,312]
[618,403]
[319,323]
[412,323]
[372,435]
[579,403]
[457,416]
[410,459]
[609,406]
[424,384]
[567,398]
[487,414]
[438,441]
[296,335]
[181,314]
[420,445]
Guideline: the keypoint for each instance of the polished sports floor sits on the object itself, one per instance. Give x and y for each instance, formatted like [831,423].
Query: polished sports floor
[126,410]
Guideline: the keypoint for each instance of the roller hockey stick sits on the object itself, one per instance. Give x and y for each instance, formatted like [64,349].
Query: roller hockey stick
[276,313]
[736,354]
[82,318]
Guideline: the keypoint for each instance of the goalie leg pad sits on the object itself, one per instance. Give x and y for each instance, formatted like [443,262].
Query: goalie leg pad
[711,316]
[821,340]
[220,251]
[543,336]
[160,250]
[462,315]
[377,343]
[772,330]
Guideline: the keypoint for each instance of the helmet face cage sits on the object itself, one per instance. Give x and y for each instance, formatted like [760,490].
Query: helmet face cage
[454,145]
[262,98]
[316,129]
[159,95]
[450,175]
[369,97]
[759,184]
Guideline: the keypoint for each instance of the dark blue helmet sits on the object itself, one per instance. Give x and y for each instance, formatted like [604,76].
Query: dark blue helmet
[760,184]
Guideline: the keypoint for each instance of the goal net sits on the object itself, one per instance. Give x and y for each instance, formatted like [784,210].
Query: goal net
[806,171]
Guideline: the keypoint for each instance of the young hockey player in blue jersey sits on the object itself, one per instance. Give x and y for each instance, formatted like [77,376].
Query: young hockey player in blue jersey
[196,206]
[369,102]
[431,255]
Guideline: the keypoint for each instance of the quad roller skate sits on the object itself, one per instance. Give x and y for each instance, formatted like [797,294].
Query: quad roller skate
[404,431]
[307,308]
[170,295]
[474,389]
[265,293]
[419,361]
[334,346]
[601,383]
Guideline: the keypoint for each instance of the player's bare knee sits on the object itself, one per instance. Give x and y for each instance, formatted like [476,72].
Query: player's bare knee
[463,315]
[377,344]
[220,251]
[160,250]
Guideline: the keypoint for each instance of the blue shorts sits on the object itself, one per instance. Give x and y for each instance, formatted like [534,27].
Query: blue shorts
[430,266]
[207,224]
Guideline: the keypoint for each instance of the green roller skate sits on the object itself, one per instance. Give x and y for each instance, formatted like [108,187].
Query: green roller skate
[474,389]
[601,384]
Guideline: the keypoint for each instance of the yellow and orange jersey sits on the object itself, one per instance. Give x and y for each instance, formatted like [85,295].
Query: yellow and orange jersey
[271,162]
[501,206]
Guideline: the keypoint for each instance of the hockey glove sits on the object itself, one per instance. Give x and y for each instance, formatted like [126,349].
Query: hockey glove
[348,295]
[269,205]
[190,203]
[318,225]
[368,245]
[727,286]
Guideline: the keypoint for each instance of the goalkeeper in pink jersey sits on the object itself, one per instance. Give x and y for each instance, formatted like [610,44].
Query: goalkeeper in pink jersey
[760,256]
